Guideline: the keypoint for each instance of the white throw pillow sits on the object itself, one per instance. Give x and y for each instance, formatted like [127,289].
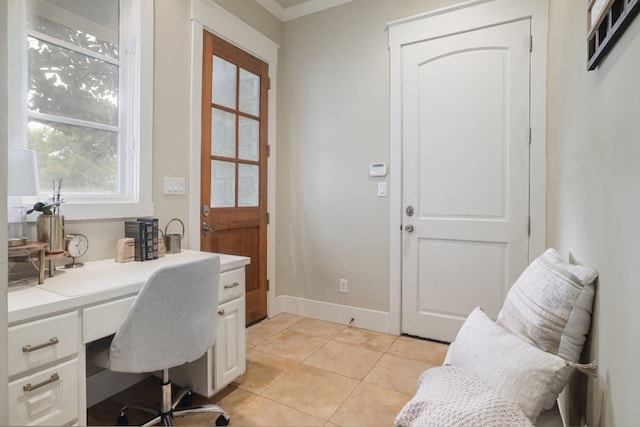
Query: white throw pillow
[550,305]
[515,369]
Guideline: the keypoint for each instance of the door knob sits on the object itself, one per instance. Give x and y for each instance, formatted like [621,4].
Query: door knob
[205,228]
[408,228]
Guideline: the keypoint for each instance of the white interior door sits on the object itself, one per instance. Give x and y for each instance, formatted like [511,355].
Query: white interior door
[465,100]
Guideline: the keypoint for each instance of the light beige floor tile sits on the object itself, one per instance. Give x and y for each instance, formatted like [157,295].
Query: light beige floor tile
[263,370]
[370,405]
[232,398]
[344,359]
[260,332]
[312,390]
[318,328]
[291,345]
[367,339]
[282,320]
[397,373]
[423,350]
[265,412]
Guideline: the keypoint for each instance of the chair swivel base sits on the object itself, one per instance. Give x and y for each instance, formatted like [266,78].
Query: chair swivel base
[166,417]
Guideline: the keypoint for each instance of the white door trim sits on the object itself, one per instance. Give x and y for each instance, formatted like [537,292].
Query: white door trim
[207,15]
[463,17]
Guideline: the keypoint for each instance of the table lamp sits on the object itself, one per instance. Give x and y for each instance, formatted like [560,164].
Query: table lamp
[22,181]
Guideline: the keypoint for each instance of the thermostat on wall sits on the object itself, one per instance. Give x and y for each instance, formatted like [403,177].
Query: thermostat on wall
[378,169]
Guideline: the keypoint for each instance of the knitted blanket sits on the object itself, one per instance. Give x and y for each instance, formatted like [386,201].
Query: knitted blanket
[452,396]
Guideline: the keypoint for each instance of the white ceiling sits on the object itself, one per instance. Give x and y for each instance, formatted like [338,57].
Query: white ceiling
[286,10]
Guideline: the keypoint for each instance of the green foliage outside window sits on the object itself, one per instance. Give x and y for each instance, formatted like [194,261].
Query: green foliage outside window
[73,88]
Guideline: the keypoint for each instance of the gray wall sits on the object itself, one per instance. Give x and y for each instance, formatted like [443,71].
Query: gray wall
[593,201]
[333,121]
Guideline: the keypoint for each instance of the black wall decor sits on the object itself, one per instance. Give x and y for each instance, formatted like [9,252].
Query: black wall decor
[607,20]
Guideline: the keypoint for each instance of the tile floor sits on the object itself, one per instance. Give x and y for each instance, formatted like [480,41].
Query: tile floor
[305,372]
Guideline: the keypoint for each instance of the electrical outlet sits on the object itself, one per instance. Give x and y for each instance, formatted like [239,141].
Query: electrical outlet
[343,286]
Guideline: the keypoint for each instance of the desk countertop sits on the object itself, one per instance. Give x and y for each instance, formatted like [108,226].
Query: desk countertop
[95,282]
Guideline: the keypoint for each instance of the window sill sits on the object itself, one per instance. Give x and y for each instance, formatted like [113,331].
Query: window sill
[95,211]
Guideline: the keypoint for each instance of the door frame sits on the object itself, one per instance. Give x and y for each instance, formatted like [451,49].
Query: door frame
[438,23]
[206,15]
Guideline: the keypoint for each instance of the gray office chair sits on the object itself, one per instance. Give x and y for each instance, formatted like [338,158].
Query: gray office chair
[172,322]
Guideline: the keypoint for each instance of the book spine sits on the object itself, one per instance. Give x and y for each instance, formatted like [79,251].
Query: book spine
[151,237]
[148,239]
[135,230]
[155,238]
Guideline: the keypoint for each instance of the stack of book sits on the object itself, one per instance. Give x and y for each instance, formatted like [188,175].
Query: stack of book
[145,232]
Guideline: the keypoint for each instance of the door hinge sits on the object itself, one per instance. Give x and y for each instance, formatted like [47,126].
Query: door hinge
[529,135]
[268,150]
[530,43]
[268,285]
[269,83]
[268,218]
[529,227]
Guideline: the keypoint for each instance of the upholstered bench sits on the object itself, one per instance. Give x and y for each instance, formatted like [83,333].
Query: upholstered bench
[511,371]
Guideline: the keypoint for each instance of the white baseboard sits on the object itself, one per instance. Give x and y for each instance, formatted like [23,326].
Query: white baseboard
[335,313]
[106,383]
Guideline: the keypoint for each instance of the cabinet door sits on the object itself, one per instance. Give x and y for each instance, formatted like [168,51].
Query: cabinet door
[230,348]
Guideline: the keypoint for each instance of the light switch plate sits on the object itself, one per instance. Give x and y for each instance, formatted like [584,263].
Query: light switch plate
[382,189]
[173,186]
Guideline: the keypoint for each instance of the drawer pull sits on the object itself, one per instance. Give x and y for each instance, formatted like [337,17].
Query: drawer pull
[54,377]
[28,348]
[234,285]
[221,312]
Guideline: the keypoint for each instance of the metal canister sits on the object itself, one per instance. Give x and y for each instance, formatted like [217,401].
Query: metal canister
[50,229]
[173,242]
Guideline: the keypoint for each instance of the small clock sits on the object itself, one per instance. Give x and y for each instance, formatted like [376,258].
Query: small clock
[76,246]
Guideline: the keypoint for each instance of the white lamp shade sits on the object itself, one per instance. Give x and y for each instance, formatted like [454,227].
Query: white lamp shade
[23,172]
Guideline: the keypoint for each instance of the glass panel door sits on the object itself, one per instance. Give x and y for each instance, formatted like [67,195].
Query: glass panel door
[234,162]
[235,136]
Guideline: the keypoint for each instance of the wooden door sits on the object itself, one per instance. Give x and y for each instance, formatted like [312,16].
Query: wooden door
[465,175]
[234,162]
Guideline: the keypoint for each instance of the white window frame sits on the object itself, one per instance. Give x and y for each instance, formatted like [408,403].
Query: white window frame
[136,79]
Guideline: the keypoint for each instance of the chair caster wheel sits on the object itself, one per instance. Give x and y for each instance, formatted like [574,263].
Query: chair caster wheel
[222,421]
[122,420]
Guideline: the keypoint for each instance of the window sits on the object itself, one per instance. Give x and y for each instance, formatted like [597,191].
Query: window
[85,110]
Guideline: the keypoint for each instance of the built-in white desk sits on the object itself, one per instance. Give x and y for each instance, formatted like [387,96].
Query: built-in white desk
[50,324]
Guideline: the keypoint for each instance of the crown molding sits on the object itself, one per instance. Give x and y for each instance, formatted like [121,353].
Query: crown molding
[273,7]
[305,8]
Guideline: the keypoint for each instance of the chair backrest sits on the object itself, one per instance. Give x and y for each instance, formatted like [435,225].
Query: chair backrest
[173,319]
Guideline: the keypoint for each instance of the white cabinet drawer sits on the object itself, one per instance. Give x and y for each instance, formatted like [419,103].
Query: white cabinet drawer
[103,320]
[231,285]
[49,397]
[42,342]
